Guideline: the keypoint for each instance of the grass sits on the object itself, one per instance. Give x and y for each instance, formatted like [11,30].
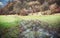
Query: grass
[12,20]
[8,23]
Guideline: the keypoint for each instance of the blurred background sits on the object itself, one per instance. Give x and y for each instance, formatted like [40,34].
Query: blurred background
[29,7]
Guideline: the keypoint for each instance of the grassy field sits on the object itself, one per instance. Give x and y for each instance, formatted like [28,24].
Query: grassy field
[10,24]
[12,20]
